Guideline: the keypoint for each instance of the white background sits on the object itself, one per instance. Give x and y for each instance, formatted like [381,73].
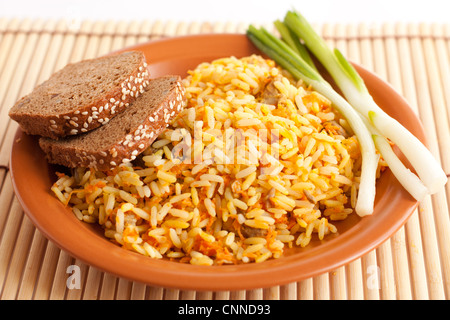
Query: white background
[255,11]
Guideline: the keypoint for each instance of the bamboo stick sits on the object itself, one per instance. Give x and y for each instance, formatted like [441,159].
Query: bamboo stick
[6,197]
[255,294]
[443,53]
[123,291]
[238,295]
[412,227]
[92,284]
[94,39]
[32,267]
[194,28]
[338,284]
[428,227]
[190,295]
[273,293]
[155,293]
[8,38]
[118,40]
[170,28]
[7,249]
[18,259]
[285,292]
[157,30]
[108,288]
[12,78]
[321,287]
[81,42]
[171,294]
[130,31]
[105,41]
[145,30]
[220,295]
[305,289]
[12,60]
[46,275]
[181,29]
[60,277]
[204,295]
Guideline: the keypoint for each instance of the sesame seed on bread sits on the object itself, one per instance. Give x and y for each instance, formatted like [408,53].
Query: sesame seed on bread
[82,96]
[126,135]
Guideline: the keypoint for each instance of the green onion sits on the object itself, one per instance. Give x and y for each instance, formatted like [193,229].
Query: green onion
[407,179]
[290,60]
[355,91]
[292,40]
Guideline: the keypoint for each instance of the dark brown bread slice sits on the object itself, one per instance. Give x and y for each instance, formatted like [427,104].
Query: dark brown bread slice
[126,135]
[82,96]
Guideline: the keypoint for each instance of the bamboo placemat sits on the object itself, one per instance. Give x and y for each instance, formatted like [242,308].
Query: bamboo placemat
[413,264]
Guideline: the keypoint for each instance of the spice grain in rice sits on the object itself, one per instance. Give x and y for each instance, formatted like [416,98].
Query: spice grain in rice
[254,164]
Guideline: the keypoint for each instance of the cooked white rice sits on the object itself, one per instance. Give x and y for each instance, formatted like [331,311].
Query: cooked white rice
[254,164]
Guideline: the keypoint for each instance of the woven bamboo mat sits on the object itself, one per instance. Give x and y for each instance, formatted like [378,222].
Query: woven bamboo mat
[413,264]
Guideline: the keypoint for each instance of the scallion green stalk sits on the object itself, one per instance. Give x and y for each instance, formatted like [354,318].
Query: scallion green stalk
[292,40]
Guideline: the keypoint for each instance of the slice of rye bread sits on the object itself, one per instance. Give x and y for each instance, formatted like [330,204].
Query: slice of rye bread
[126,135]
[82,96]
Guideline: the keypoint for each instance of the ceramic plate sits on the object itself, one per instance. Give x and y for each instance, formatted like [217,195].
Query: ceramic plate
[33,176]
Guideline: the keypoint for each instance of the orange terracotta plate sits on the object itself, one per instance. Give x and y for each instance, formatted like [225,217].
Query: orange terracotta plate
[33,176]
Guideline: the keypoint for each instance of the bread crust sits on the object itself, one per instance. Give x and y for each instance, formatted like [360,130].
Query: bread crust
[86,117]
[127,148]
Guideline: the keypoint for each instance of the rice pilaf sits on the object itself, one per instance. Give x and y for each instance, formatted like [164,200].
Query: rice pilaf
[254,164]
